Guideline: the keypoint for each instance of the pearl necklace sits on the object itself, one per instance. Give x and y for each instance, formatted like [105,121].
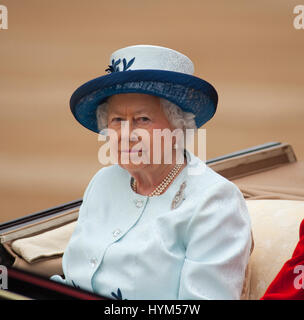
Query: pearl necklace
[163,185]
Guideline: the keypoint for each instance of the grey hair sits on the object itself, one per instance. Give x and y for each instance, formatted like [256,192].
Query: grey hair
[175,115]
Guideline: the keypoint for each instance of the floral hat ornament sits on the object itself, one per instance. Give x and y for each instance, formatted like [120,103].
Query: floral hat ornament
[148,69]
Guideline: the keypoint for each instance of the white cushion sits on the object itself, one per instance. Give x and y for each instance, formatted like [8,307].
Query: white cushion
[47,244]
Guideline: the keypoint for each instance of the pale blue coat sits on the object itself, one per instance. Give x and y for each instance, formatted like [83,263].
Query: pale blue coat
[130,246]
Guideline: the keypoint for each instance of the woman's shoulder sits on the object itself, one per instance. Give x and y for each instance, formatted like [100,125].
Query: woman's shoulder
[215,198]
[111,171]
[211,188]
[106,178]
[203,179]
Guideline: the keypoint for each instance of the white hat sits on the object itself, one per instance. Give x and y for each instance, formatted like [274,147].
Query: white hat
[148,69]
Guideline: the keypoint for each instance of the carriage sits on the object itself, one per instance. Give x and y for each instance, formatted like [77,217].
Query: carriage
[269,176]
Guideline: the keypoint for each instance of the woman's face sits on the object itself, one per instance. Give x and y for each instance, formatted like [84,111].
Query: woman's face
[133,117]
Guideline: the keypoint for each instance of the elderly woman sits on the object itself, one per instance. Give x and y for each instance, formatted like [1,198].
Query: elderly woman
[146,229]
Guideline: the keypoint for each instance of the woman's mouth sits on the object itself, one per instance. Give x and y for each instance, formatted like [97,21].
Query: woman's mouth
[131,151]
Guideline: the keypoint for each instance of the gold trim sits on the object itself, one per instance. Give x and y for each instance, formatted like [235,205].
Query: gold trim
[12,296]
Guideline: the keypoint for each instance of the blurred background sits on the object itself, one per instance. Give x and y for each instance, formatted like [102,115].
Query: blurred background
[249,50]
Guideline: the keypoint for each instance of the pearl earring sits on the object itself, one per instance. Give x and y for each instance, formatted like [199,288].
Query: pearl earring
[104,132]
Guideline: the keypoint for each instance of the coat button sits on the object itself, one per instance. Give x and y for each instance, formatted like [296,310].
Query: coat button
[138,203]
[116,233]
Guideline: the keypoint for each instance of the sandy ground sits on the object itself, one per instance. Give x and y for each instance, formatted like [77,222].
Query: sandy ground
[249,50]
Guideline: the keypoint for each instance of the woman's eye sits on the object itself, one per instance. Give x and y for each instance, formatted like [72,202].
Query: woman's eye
[117,119]
[143,119]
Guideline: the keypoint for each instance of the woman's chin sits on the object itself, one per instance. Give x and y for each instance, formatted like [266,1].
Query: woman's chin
[132,166]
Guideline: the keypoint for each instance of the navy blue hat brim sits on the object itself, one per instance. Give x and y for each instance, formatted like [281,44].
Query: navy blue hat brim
[190,93]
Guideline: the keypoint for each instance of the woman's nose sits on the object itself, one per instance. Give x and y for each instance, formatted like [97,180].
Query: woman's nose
[128,131]
[133,136]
